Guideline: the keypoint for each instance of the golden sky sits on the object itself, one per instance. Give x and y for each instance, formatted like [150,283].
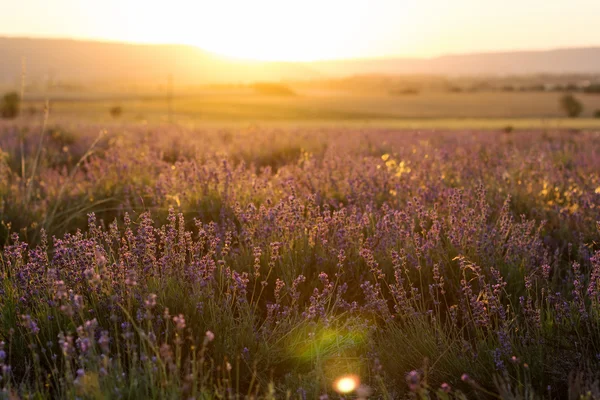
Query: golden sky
[315,29]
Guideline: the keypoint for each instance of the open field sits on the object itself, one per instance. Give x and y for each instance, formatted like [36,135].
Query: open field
[244,105]
[193,260]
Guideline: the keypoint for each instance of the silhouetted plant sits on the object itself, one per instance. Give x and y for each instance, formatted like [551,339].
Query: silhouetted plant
[9,108]
[571,106]
[116,111]
[593,88]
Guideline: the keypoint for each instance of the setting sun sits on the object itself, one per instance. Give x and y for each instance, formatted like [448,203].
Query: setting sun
[262,30]
[274,30]
[308,30]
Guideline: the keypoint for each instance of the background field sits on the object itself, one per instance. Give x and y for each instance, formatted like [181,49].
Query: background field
[443,110]
[183,84]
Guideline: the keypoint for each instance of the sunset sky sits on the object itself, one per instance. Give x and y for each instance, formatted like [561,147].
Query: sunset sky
[315,29]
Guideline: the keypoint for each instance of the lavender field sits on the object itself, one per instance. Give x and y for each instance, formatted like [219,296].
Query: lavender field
[150,261]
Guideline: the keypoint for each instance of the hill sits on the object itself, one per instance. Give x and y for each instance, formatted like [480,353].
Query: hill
[84,61]
[89,61]
[560,61]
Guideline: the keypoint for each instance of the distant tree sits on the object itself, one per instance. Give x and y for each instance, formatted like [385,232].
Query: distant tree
[571,106]
[537,87]
[597,114]
[116,111]
[403,91]
[9,107]
[593,88]
[571,87]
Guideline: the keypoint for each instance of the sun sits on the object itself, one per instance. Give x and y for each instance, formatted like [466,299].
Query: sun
[278,30]
[273,30]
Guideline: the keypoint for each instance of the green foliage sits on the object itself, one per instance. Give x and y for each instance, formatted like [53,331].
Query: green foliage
[571,106]
[593,88]
[9,106]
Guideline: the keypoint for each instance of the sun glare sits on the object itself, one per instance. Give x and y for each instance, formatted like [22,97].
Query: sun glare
[307,30]
[263,29]
[346,384]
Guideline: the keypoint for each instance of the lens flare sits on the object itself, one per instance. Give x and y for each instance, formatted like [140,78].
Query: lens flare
[346,384]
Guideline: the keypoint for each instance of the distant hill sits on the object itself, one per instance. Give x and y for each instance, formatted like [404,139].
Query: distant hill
[86,61]
[561,61]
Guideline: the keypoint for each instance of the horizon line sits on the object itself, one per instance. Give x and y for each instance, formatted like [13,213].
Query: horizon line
[348,59]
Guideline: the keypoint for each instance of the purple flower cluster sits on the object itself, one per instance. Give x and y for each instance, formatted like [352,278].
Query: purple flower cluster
[492,257]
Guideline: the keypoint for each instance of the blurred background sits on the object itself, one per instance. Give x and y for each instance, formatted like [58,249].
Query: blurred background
[403,62]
